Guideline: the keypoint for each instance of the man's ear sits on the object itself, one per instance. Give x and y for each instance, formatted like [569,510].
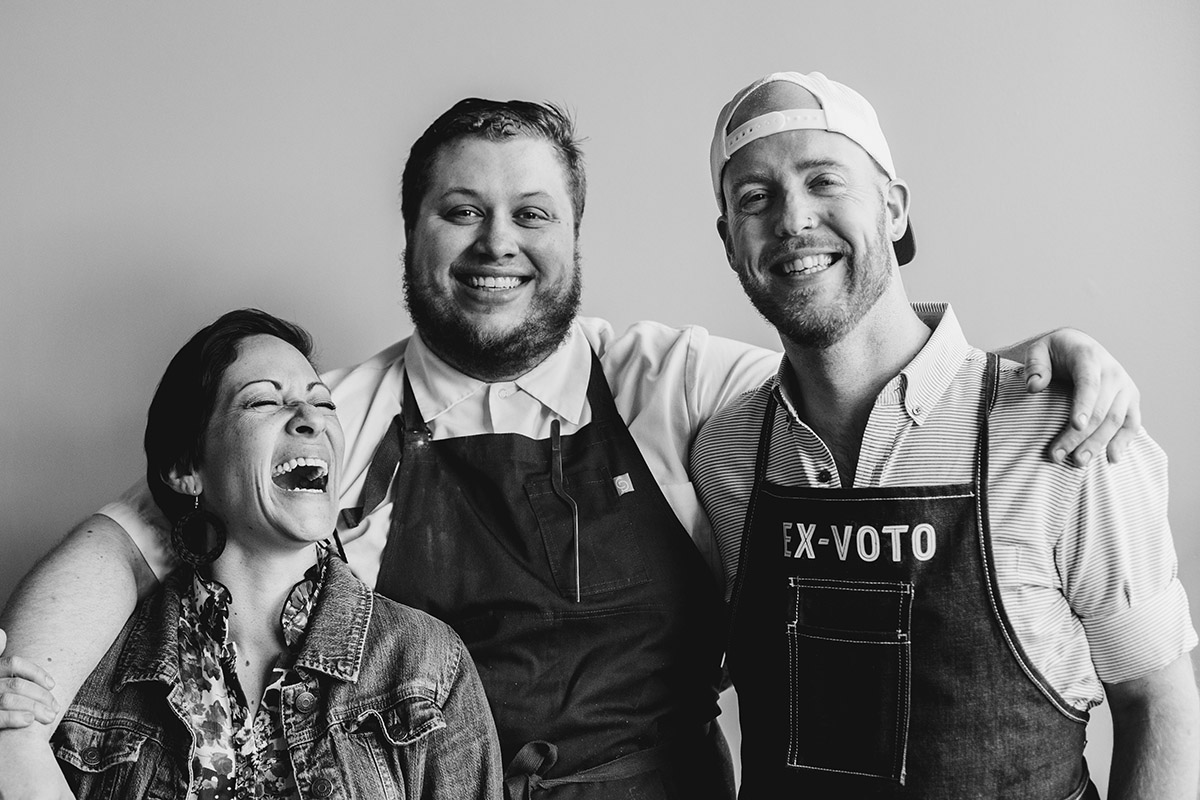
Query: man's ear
[723,232]
[896,201]
[184,480]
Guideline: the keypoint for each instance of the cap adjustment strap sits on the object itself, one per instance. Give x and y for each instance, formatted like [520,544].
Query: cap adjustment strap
[794,119]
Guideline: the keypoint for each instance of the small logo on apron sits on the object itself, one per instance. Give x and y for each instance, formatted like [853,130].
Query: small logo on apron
[623,484]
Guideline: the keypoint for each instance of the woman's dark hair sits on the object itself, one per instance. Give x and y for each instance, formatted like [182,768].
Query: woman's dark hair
[183,402]
[494,121]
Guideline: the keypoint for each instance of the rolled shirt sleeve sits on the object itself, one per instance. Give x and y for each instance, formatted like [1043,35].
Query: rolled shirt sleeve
[1119,568]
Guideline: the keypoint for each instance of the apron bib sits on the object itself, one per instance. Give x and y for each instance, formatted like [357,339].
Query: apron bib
[597,641]
[871,653]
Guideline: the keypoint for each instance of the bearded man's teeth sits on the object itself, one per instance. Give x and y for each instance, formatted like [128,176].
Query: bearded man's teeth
[493,282]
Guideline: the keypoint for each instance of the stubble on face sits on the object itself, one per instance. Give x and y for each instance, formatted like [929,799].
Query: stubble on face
[486,354]
[806,323]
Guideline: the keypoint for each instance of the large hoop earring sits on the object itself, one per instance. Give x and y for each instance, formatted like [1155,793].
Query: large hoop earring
[199,520]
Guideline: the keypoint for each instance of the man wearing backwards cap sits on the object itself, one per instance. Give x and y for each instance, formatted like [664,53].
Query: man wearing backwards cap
[921,606]
[596,641]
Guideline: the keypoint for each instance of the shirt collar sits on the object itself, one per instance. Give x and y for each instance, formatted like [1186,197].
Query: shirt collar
[921,384]
[559,383]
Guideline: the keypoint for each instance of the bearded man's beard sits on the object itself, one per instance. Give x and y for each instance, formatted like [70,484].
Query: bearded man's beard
[493,355]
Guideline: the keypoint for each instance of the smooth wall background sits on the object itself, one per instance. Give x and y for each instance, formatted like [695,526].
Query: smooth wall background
[161,163]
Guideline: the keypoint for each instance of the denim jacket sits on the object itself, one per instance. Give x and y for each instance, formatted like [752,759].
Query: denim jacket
[389,705]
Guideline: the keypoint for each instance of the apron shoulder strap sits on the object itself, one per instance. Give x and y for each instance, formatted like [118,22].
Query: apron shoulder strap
[991,380]
[387,458]
[599,393]
[987,401]
[379,474]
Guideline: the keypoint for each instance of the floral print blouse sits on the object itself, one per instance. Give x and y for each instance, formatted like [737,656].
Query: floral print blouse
[236,755]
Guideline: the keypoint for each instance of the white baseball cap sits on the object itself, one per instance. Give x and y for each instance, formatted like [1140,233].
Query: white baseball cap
[842,110]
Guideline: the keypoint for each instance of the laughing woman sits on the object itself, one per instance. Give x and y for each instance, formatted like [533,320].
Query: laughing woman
[263,668]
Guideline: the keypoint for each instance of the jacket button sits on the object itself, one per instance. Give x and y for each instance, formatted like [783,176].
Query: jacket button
[90,756]
[306,702]
[321,787]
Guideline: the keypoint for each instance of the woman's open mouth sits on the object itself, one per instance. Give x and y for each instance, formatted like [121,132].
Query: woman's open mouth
[302,475]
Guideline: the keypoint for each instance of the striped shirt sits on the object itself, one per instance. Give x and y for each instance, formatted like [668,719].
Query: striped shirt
[1084,557]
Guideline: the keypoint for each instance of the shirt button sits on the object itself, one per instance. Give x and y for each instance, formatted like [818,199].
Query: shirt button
[505,392]
[91,756]
[305,702]
[321,787]
[824,476]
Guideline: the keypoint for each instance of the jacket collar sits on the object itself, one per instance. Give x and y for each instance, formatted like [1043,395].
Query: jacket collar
[333,645]
[151,652]
[337,632]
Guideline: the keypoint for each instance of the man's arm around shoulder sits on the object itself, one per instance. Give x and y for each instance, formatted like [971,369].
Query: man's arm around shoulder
[1156,734]
[63,617]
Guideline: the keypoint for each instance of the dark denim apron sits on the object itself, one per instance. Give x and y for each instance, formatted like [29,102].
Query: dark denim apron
[601,669]
[871,653]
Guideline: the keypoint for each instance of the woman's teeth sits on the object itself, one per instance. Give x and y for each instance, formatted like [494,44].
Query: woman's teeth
[302,475]
[493,282]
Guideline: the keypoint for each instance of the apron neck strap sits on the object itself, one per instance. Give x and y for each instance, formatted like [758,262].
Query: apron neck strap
[599,394]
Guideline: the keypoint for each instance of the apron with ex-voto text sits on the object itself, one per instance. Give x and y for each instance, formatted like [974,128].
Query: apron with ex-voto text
[872,655]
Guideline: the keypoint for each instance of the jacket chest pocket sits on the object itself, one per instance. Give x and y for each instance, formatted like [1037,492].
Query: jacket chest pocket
[609,554]
[402,724]
[388,751]
[116,759]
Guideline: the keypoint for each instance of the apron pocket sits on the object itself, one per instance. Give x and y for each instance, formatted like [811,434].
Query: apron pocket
[609,555]
[848,648]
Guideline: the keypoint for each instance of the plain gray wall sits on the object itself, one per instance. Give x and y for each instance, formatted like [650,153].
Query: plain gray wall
[161,163]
